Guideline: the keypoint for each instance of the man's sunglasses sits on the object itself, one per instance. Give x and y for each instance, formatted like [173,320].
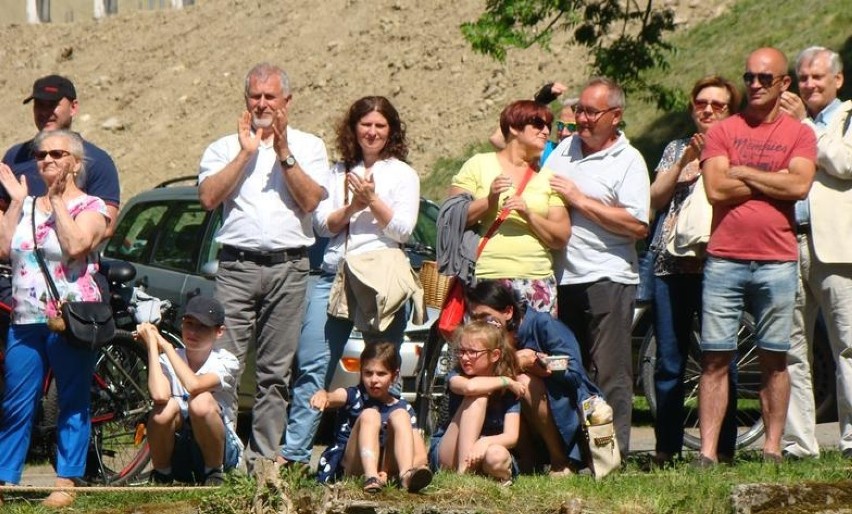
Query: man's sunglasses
[41,155]
[766,80]
[561,125]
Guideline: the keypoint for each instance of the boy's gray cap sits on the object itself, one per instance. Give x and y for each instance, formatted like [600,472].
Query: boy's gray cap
[206,310]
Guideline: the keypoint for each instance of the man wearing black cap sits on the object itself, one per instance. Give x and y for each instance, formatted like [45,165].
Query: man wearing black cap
[54,108]
[192,429]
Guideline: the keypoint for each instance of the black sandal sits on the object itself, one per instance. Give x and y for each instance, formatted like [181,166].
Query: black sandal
[418,478]
[372,485]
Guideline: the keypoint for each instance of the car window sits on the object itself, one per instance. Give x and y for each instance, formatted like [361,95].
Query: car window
[135,234]
[210,248]
[181,237]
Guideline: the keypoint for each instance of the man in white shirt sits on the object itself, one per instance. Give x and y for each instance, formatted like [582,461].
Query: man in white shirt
[604,180]
[825,254]
[268,177]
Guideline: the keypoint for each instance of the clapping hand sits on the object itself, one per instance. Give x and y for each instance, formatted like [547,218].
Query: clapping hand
[249,141]
[363,190]
[279,129]
[791,104]
[16,188]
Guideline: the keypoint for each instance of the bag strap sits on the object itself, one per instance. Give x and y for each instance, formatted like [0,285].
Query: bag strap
[504,213]
[345,203]
[51,286]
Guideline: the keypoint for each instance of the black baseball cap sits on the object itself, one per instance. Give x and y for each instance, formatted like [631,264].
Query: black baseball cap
[52,87]
[206,310]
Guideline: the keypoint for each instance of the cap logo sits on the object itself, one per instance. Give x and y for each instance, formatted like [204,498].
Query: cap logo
[51,89]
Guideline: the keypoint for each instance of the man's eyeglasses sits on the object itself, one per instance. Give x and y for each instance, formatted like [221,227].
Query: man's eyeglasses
[537,122]
[765,80]
[471,354]
[716,105]
[41,155]
[592,115]
[561,125]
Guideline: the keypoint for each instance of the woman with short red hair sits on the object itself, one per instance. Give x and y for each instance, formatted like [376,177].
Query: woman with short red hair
[537,221]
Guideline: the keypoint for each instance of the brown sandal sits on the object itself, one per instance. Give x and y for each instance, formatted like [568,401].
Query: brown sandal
[372,485]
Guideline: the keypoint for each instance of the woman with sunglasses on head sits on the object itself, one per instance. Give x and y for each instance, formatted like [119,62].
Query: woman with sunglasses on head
[67,225]
[677,281]
[537,220]
[550,368]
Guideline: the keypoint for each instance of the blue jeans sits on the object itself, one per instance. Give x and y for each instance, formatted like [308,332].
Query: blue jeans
[30,350]
[321,345]
[768,289]
[677,299]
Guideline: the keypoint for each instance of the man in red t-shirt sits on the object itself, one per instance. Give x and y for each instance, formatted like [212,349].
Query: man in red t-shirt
[755,164]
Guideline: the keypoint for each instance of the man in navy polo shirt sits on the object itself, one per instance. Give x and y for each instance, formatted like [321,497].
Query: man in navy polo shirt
[54,107]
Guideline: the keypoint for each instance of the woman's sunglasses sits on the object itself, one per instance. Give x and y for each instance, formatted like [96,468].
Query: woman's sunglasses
[41,155]
[537,122]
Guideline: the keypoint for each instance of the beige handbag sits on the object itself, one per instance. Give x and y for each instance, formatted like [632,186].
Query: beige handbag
[338,306]
[689,236]
[600,446]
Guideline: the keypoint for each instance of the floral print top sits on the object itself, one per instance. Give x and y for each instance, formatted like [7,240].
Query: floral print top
[666,263]
[74,279]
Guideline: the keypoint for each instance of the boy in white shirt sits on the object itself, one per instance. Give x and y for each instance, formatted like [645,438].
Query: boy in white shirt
[191,430]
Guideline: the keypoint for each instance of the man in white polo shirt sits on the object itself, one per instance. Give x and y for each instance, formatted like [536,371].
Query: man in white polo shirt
[604,181]
[269,177]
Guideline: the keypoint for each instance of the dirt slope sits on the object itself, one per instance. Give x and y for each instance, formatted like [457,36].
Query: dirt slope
[167,83]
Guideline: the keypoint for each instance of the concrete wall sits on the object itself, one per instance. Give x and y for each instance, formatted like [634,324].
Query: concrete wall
[68,11]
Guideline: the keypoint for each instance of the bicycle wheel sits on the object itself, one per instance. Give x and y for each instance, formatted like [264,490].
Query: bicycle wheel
[749,420]
[432,403]
[118,451]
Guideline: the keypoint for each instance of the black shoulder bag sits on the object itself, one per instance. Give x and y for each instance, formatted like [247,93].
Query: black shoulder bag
[86,325]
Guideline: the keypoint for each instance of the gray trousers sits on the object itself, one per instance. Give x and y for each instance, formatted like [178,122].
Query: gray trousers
[264,304]
[601,314]
[827,287]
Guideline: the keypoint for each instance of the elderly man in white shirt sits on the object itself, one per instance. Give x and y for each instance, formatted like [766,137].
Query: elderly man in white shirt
[269,177]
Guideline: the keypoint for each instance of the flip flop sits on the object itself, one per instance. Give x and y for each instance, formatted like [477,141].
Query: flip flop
[418,478]
[372,485]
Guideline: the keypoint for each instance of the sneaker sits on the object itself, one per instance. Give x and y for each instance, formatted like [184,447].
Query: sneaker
[847,453]
[703,462]
[158,478]
[214,478]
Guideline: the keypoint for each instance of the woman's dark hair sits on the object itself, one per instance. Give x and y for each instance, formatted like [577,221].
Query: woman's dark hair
[520,113]
[385,353]
[734,95]
[498,295]
[347,140]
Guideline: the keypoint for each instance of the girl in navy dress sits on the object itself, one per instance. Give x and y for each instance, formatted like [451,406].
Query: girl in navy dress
[371,420]
[484,413]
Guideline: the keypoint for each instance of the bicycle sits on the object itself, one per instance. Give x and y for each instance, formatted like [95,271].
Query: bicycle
[432,406]
[118,449]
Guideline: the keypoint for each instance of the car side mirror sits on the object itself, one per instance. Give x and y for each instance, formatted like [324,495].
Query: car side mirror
[209,268]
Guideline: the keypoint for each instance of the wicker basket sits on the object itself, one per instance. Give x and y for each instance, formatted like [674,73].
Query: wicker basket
[435,285]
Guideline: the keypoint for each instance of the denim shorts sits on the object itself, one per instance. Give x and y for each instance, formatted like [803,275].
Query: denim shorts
[188,461]
[766,289]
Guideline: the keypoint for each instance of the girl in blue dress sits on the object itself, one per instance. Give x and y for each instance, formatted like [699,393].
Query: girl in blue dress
[371,420]
[484,413]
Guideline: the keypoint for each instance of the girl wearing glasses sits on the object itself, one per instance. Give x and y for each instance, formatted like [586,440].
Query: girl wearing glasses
[67,225]
[484,413]
[676,289]
[550,404]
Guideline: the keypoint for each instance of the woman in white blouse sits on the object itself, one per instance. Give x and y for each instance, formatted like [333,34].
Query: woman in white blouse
[372,204]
